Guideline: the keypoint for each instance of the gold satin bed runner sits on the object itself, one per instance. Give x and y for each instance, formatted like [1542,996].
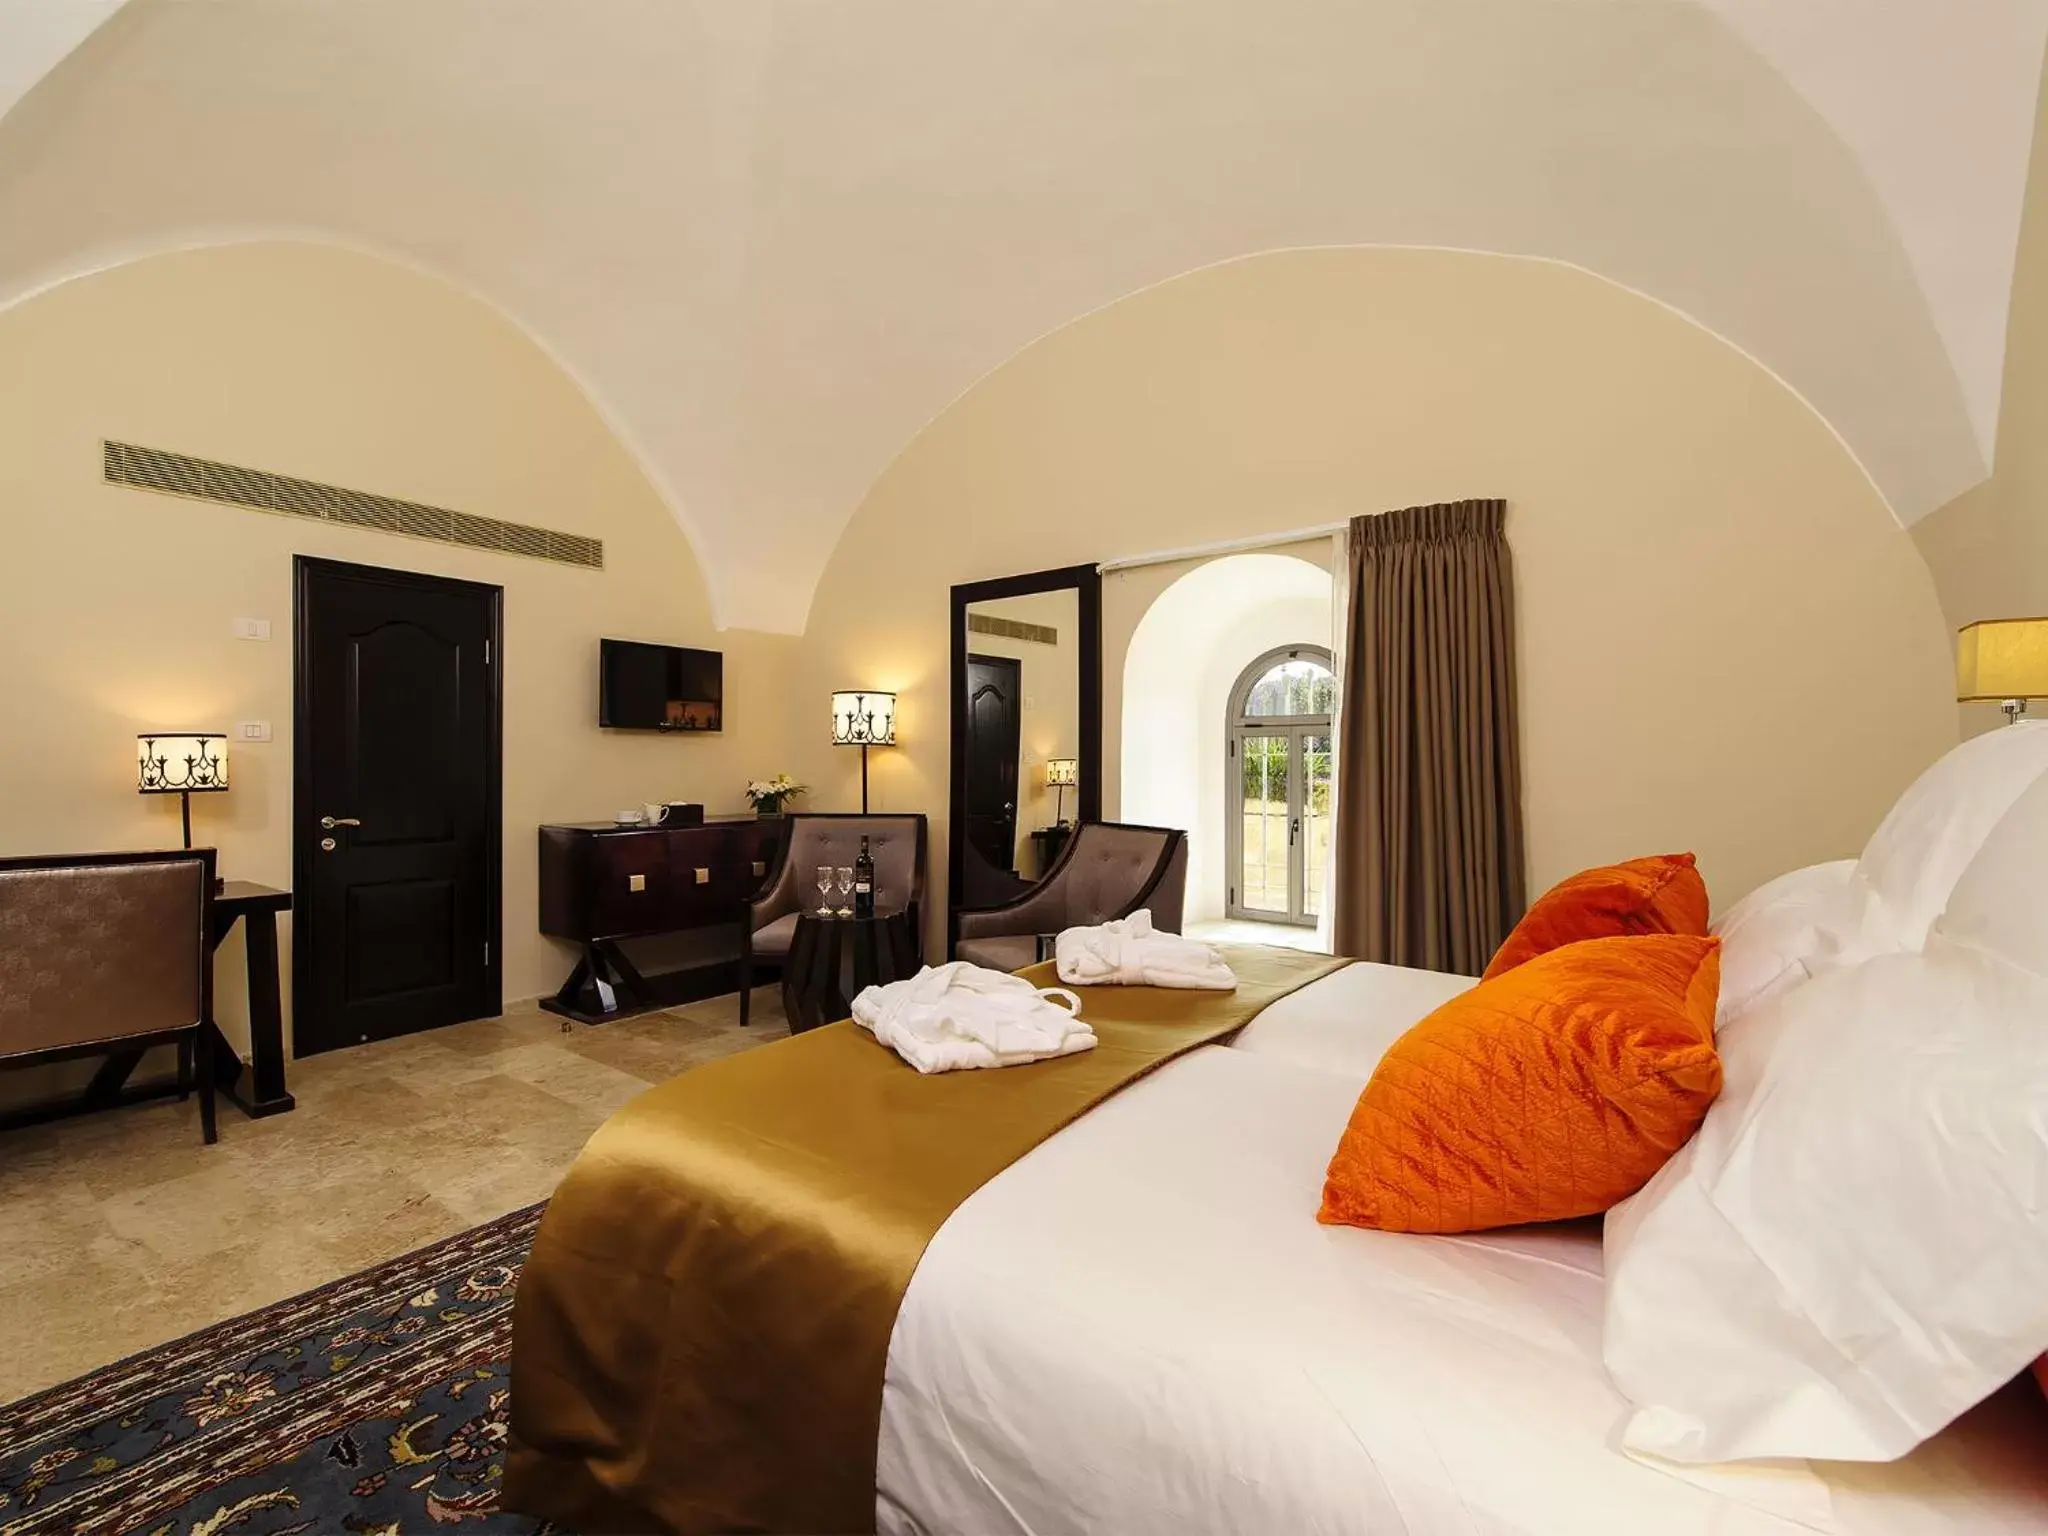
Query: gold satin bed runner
[700,1334]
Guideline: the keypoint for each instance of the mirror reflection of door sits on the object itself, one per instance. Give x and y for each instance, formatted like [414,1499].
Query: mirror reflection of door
[1278,778]
[1022,711]
[994,720]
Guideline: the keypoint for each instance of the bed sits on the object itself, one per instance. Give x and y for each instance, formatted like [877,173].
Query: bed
[1138,1326]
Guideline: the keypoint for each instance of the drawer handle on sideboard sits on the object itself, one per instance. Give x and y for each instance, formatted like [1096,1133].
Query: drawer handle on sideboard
[760,868]
[703,877]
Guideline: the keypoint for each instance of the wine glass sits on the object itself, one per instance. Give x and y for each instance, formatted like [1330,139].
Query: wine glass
[824,890]
[845,878]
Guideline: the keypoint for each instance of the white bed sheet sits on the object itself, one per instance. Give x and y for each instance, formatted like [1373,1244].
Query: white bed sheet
[1345,1022]
[1140,1328]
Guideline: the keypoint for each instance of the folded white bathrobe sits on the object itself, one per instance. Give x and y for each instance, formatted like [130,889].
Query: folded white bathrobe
[1128,953]
[955,1016]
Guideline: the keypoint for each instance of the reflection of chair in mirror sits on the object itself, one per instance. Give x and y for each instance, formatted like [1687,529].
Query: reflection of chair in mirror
[895,843]
[1107,870]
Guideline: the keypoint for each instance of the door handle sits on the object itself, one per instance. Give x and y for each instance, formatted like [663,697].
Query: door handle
[1293,831]
[329,823]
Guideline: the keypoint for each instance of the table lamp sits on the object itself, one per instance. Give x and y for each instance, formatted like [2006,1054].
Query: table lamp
[2005,660]
[1061,775]
[182,763]
[863,717]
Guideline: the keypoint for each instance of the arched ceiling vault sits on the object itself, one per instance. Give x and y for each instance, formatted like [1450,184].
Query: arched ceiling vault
[775,240]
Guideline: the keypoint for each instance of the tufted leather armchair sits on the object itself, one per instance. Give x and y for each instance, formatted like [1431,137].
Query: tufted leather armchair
[1108,869]
[895,843]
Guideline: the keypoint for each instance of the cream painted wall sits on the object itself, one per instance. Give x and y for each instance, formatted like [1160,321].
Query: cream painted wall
[1049,719]
[1988,548]
[344,369]
[1726,643]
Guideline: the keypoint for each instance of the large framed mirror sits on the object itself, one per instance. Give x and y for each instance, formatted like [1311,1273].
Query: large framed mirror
[1027,729]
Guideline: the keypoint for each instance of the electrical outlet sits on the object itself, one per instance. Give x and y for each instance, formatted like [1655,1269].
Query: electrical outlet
[252,730]
[252,629]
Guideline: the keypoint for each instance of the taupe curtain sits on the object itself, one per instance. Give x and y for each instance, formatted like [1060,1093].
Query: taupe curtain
[1429,801]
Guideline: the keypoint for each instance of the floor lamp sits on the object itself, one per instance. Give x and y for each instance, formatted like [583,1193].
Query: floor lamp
[862,717]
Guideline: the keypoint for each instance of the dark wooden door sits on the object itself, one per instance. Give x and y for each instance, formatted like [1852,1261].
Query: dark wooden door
[994,684]
[395,803]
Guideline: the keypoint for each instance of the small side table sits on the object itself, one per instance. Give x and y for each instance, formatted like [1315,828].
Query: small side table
[831,959]
[1049,843]
[257,907]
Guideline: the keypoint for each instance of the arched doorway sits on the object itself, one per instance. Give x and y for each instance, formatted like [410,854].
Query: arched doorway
[1277,783]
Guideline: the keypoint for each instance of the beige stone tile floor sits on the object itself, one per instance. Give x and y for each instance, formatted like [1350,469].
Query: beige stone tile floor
[122,1230]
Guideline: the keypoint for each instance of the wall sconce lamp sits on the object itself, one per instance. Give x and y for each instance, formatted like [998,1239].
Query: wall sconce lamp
[2004,660]
[863,717]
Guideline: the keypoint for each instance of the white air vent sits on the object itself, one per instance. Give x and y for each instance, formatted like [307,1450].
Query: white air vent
[178,474]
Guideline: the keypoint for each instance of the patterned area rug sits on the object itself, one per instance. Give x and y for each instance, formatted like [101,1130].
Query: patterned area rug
[375,1405]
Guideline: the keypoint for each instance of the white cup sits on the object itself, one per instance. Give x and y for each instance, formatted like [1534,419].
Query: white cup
[653,814]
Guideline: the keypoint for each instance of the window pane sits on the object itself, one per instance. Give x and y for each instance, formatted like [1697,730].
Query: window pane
[1298,687]
[1315,820]
[1262,877]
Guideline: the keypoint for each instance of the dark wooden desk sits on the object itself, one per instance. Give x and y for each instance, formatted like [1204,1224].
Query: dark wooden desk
[831,959]
[256,906]
[601,883]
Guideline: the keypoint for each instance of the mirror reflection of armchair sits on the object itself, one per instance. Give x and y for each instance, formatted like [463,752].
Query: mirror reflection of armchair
[895,842]
[1026,695]
[1108,869]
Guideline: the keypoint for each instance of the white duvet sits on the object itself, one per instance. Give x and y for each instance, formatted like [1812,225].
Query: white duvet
[1140,1328]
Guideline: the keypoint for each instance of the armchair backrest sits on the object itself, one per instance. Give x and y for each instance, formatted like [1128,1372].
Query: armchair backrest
[1111,869]
[106,946]
[1108,869]
[895,842]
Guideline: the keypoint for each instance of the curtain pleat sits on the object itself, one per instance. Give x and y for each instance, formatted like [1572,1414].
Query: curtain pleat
[1429,803]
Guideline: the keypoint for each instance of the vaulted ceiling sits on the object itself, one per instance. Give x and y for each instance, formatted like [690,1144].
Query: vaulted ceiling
[774,238]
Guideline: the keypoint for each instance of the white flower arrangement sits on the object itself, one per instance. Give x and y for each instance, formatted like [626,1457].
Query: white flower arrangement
[768,794]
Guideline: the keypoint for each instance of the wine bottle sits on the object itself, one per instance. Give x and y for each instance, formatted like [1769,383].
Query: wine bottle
[864,883]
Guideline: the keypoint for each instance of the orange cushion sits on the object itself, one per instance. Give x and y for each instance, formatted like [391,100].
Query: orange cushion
[1552,1091]
[1663,894]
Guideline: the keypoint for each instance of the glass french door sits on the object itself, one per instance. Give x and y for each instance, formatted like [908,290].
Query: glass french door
[1279,788]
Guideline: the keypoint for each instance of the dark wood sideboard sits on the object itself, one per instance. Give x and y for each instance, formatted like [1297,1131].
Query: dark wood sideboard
[601,883]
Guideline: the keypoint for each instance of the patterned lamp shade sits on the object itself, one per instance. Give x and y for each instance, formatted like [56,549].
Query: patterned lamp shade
[863,718]
[1062,772]
[181,762]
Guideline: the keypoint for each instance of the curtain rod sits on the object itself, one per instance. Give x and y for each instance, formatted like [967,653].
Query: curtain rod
[1223,547]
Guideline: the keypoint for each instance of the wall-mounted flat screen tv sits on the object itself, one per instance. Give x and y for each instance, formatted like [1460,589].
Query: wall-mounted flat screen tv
[645,687]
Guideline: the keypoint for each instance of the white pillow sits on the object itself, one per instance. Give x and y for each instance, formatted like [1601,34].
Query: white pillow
[1854,1249]
[1913,860]
[1771,938]
[2000,906]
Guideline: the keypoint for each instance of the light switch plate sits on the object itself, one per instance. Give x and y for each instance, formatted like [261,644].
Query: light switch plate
[252,730]
[636,882]
[252,629]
